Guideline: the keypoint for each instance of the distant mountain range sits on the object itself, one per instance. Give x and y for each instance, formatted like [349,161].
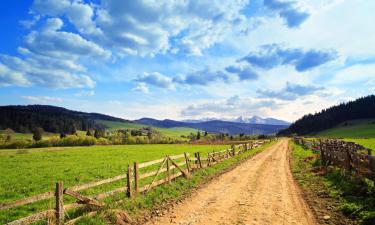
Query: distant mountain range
[241,119]
[60,120]
[216,126]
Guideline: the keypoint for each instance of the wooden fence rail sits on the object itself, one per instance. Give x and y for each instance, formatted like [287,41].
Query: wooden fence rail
[168,169]
[349,156]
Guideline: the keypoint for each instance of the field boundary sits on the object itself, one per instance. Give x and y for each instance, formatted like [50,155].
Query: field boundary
[168,169]
[348,156]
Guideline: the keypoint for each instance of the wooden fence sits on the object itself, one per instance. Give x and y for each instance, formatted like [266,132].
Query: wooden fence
[139,178]
[346,155]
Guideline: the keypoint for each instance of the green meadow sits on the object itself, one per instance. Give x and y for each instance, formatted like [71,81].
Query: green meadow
[27,172]
[175,132]
[351,129]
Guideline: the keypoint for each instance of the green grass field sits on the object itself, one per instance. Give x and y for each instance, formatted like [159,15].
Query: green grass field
[366,142]
[351,129]
[175,132]
[29,136]
[32,171]
[46,135]
[28,172]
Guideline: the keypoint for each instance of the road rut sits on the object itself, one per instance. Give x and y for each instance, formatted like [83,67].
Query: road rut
[259,191]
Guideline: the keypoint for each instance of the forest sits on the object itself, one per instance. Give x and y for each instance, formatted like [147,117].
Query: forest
[362,108]
[25,119]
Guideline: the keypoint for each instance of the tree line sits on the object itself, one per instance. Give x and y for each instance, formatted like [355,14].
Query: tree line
[25,119]
[362,108]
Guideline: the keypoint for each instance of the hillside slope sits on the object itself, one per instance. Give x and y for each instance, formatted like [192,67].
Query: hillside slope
[174,132]
[51,118]
[362,108]
[351,129]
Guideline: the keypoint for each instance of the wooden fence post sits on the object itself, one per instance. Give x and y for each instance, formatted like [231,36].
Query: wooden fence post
[348,165]
[199,159]
[168,171]
[196,160]
[59,203]
[187,162]
[136,177]
[322,158]
[129,182]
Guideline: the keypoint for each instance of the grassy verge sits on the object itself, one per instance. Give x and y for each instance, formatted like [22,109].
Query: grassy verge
[351,129]
[342,197]
[142,206]
[366,142]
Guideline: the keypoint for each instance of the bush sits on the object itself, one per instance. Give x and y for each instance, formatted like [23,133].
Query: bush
[16,144]
[41,144]
[37,134]
[103,141]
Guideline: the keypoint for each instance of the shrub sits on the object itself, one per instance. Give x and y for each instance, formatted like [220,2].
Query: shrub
[17,144]
[37,134]
[103,141]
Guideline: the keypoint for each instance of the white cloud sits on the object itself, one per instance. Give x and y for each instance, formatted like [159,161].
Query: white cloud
[77,12]
[141,87]
[42,99]
[50,58]
[356,73]
[9,77]
[156,79]
[149,27]
[30,23]
[229,108]
[49,41]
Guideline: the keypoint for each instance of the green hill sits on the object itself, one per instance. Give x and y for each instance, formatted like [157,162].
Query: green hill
[175,132]
[331,118]
[351,129]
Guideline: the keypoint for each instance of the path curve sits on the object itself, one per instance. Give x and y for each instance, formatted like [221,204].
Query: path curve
[259,191]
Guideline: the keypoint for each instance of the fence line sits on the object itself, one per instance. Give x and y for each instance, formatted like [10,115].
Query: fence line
[166,169]
[349,156]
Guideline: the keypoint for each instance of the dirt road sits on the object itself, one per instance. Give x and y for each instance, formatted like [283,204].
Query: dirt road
[260,191]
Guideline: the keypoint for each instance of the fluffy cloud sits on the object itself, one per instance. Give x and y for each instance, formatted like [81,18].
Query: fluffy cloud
[229,108]
[149,27]
[155,79]
[141,87]
[292,15]
[271,56]
[290,92]
[49,58]
[202,77]
[77,12]
[49,41]
[243,72]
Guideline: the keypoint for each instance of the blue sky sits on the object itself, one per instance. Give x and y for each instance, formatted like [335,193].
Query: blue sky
[187,59]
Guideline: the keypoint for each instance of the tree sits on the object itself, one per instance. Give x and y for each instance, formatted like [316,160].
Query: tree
[99,133]
[205,133]
[37,134]
[198,135]
[8,134]
[149,135]
[88,133]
